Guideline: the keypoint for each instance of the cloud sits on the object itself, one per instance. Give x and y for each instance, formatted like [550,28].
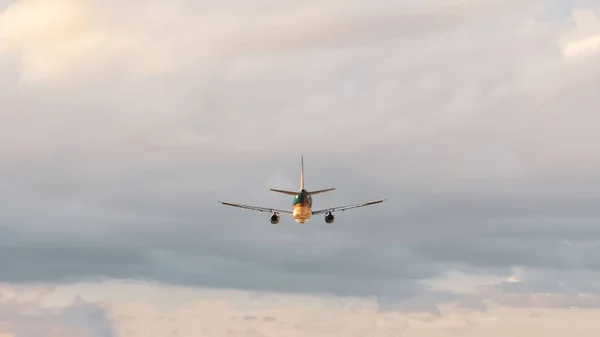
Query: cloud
[70,37]
[139,309]
[142,119]
[584,40]
[184,311]
[26,316]
[275,267]
[513,251]
[59,37]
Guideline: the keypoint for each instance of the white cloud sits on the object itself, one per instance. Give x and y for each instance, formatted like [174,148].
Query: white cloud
[584,40]
[62,37]
[148,310]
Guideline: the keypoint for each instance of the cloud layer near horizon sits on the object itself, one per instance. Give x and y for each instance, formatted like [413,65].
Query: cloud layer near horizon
[24,313]
[139,309]
[121,126]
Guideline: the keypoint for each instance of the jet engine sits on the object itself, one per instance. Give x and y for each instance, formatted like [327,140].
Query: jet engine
[329,218]
[274,218]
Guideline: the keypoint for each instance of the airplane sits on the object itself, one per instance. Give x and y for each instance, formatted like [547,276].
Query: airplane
[302,204]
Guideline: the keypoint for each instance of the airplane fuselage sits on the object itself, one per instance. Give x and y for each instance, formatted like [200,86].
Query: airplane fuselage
[302,210]
[303,202]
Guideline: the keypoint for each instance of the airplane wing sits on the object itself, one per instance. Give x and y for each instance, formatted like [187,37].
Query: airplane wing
[255,208]
[344,208]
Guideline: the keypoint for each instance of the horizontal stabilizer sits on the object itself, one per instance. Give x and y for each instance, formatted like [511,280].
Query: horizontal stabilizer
[285,192]
[321,191]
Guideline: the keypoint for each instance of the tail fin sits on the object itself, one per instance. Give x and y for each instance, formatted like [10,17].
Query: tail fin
[321,191]
[301,172]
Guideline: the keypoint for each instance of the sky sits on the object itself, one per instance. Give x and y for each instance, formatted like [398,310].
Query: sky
[122,124]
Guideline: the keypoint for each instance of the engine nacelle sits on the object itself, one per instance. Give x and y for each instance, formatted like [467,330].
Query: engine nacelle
[329,218]
[275,218]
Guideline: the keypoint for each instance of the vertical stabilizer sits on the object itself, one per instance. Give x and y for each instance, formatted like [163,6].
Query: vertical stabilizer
[301,172]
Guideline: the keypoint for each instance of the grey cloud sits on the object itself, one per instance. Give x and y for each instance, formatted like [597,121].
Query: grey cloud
[540,287]
[216,263]
[31,318]
[514,251]
[464,131]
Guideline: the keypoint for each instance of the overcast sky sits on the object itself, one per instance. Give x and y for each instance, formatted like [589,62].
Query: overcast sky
[122,124]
